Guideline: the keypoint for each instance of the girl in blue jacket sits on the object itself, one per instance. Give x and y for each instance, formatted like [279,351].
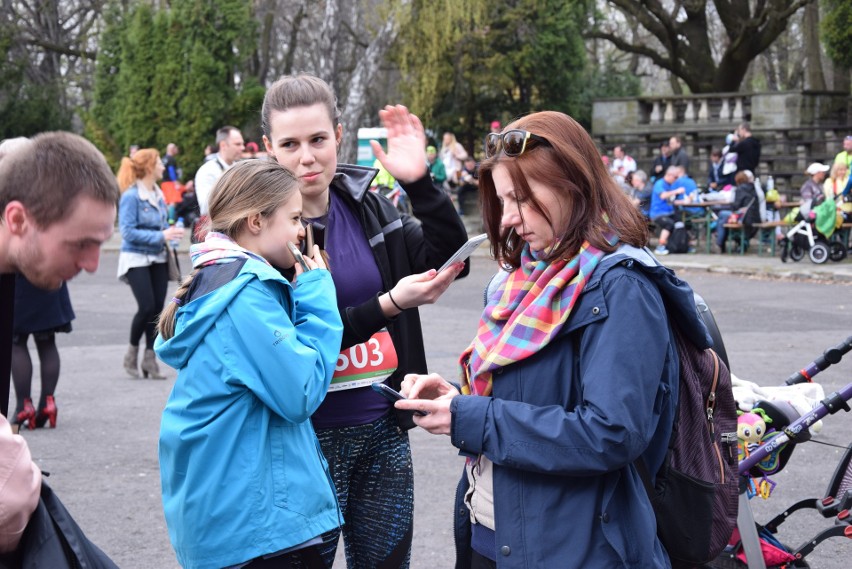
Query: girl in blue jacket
[244,480]
[573,373]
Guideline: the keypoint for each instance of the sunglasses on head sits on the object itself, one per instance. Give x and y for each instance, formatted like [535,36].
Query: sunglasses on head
[512,142]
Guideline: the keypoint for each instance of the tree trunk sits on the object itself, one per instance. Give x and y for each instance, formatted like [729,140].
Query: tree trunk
[814,76]
[682,42]
[327,47]
[293,42]
[354,108]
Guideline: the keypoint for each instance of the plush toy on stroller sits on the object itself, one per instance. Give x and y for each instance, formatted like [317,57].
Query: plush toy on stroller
[769,435]
[812,234]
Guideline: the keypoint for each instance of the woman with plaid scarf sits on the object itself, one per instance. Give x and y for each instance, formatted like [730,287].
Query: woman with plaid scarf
[573,373]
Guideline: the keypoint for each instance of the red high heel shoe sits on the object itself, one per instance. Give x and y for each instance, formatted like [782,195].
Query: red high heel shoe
[47,413]
[27,415]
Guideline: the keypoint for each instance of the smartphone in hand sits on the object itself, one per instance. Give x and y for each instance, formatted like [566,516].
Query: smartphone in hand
[392,394]
[298,256]
[464,251]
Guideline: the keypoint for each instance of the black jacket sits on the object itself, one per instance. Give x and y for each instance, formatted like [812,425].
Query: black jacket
[748,154]
[745,196]
[53,539]
[402,245]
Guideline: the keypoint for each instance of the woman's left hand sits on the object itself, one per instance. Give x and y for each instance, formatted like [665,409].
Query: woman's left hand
[436,394]
[405,159]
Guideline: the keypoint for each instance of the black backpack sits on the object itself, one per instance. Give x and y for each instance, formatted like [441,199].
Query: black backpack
[679,239]
[695,495]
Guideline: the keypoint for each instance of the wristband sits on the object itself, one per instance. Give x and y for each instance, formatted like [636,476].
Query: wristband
[394,302]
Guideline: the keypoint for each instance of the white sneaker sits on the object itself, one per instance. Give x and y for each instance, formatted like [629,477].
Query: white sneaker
[661,250]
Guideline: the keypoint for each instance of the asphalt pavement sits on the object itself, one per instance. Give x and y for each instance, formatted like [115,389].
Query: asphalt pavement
[775,318]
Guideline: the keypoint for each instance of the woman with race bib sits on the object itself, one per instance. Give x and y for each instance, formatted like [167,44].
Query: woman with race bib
[383,265]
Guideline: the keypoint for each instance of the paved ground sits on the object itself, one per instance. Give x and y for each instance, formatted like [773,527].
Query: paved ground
[102,457]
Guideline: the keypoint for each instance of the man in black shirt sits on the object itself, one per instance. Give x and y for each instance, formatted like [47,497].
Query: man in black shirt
[747,148]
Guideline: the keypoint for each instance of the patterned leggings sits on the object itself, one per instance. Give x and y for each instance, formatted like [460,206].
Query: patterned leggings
[371,468]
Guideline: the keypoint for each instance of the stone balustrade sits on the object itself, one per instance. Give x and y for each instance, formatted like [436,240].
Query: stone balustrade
[794,127]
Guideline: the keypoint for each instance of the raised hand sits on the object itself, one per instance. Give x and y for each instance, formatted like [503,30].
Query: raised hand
[405,159]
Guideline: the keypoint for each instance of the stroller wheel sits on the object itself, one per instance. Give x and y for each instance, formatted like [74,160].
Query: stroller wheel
[836,251]
[818,253]
[796,253]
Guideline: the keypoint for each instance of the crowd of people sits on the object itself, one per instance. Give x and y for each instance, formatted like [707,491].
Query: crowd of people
[732,185]
[273,442]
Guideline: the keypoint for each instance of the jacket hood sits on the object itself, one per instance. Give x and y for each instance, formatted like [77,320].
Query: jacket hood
[195,319]
[680,300]
[354,180]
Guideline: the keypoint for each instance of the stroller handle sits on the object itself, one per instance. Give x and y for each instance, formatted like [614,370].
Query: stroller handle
[828,406]
[829,357]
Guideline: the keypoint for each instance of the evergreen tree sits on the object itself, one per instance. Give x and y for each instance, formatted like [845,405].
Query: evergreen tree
[173,75]
[101,123]
[29,102]
[494,61]
[166,87]
[213,36]
[136,115]
[837,32]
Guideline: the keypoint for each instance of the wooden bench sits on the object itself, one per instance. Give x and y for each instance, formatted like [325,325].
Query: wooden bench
[765,233]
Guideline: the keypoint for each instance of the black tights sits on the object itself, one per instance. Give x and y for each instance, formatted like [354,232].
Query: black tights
[22,366]
[308,557]
[149,285]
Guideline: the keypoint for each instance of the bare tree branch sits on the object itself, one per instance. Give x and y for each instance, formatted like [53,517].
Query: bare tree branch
[62,50]
[623,45]
[682,33]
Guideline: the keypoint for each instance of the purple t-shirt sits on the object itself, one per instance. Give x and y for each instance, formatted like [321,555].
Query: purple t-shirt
[357,279]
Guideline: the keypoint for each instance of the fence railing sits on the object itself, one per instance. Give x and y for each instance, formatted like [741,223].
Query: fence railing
[794,127]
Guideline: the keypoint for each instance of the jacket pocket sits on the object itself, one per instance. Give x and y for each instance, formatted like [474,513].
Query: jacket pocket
[279,468]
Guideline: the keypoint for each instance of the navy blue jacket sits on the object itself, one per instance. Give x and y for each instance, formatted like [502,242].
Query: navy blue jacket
[564,427]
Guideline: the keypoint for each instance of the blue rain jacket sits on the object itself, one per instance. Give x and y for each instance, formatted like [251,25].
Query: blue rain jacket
[564,427]
[241,468]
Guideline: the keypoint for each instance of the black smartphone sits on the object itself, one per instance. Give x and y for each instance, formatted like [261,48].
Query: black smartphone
[298,256]
[392,394]
[314,235]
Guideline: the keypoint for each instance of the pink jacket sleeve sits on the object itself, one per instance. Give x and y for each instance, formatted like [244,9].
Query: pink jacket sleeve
[20,486]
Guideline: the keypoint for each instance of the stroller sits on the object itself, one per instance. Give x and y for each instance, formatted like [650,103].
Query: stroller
[813,235]
[753,545]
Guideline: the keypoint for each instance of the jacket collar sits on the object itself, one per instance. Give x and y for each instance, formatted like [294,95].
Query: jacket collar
[680,300]
[354,180]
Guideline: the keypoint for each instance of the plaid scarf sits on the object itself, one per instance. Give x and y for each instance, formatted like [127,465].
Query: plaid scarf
[525,313]
[218,248]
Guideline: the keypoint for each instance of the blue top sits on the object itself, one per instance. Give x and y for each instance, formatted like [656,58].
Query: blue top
[659,206]
[686,183]
[241,468]
[689,185]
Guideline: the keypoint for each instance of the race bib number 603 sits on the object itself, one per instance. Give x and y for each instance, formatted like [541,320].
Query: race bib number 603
[366,363]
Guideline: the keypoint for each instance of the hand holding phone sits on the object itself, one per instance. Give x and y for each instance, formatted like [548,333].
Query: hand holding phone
[392,394]
[298,256]
[464,251]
